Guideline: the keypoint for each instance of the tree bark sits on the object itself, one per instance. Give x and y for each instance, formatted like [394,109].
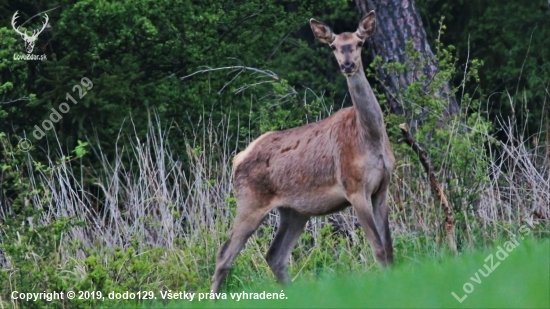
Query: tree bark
[398,22]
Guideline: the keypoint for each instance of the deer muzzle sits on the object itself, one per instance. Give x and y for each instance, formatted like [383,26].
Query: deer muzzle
[348,67]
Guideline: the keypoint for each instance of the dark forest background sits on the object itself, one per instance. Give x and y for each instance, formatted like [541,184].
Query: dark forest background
[135,53]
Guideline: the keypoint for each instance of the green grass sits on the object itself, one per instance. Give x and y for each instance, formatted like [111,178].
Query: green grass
[521,280]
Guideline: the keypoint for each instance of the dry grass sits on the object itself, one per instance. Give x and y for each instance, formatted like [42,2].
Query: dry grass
[150,193]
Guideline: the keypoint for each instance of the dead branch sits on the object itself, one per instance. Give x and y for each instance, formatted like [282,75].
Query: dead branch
[436,188]
[239,67]
[16,100]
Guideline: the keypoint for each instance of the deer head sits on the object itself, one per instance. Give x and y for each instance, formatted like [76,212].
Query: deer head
[346,46]
[29,40]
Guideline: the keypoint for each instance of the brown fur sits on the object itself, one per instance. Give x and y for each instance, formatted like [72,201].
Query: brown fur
[280,164]
[317,169]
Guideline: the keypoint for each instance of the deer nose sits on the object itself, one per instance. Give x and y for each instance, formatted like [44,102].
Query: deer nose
[348,66]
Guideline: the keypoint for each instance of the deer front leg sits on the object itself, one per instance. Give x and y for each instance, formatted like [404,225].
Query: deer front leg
[380,205]
[363,207]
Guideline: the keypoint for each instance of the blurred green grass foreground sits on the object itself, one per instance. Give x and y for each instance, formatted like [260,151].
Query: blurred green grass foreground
[485,279]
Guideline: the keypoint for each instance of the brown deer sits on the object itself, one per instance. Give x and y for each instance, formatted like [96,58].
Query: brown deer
[317,169]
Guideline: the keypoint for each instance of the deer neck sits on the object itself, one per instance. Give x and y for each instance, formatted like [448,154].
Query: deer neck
[369,113]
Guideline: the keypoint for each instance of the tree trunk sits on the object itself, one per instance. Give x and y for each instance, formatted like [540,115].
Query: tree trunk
[398,22]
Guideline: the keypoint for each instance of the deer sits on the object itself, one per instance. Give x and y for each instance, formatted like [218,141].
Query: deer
[317,169]
[29,40]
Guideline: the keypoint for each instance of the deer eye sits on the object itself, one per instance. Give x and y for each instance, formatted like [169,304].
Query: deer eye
[359,44]
[332,47]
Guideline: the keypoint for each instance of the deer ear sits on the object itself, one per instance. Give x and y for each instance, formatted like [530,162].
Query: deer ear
[321,31]
[367,25]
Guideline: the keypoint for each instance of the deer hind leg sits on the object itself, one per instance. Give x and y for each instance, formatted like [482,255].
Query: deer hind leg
[291,225]
[363,207]
[380,205]
[250,215]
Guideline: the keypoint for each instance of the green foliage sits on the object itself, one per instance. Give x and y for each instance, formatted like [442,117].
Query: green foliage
[456,144]
[135,51]
[13,76]
[512,39]
[80,150]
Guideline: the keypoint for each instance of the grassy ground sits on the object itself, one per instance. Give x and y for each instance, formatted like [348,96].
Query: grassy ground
[520,280]
[156,223]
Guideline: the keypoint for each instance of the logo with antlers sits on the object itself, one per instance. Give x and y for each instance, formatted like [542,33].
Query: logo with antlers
[29,40]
